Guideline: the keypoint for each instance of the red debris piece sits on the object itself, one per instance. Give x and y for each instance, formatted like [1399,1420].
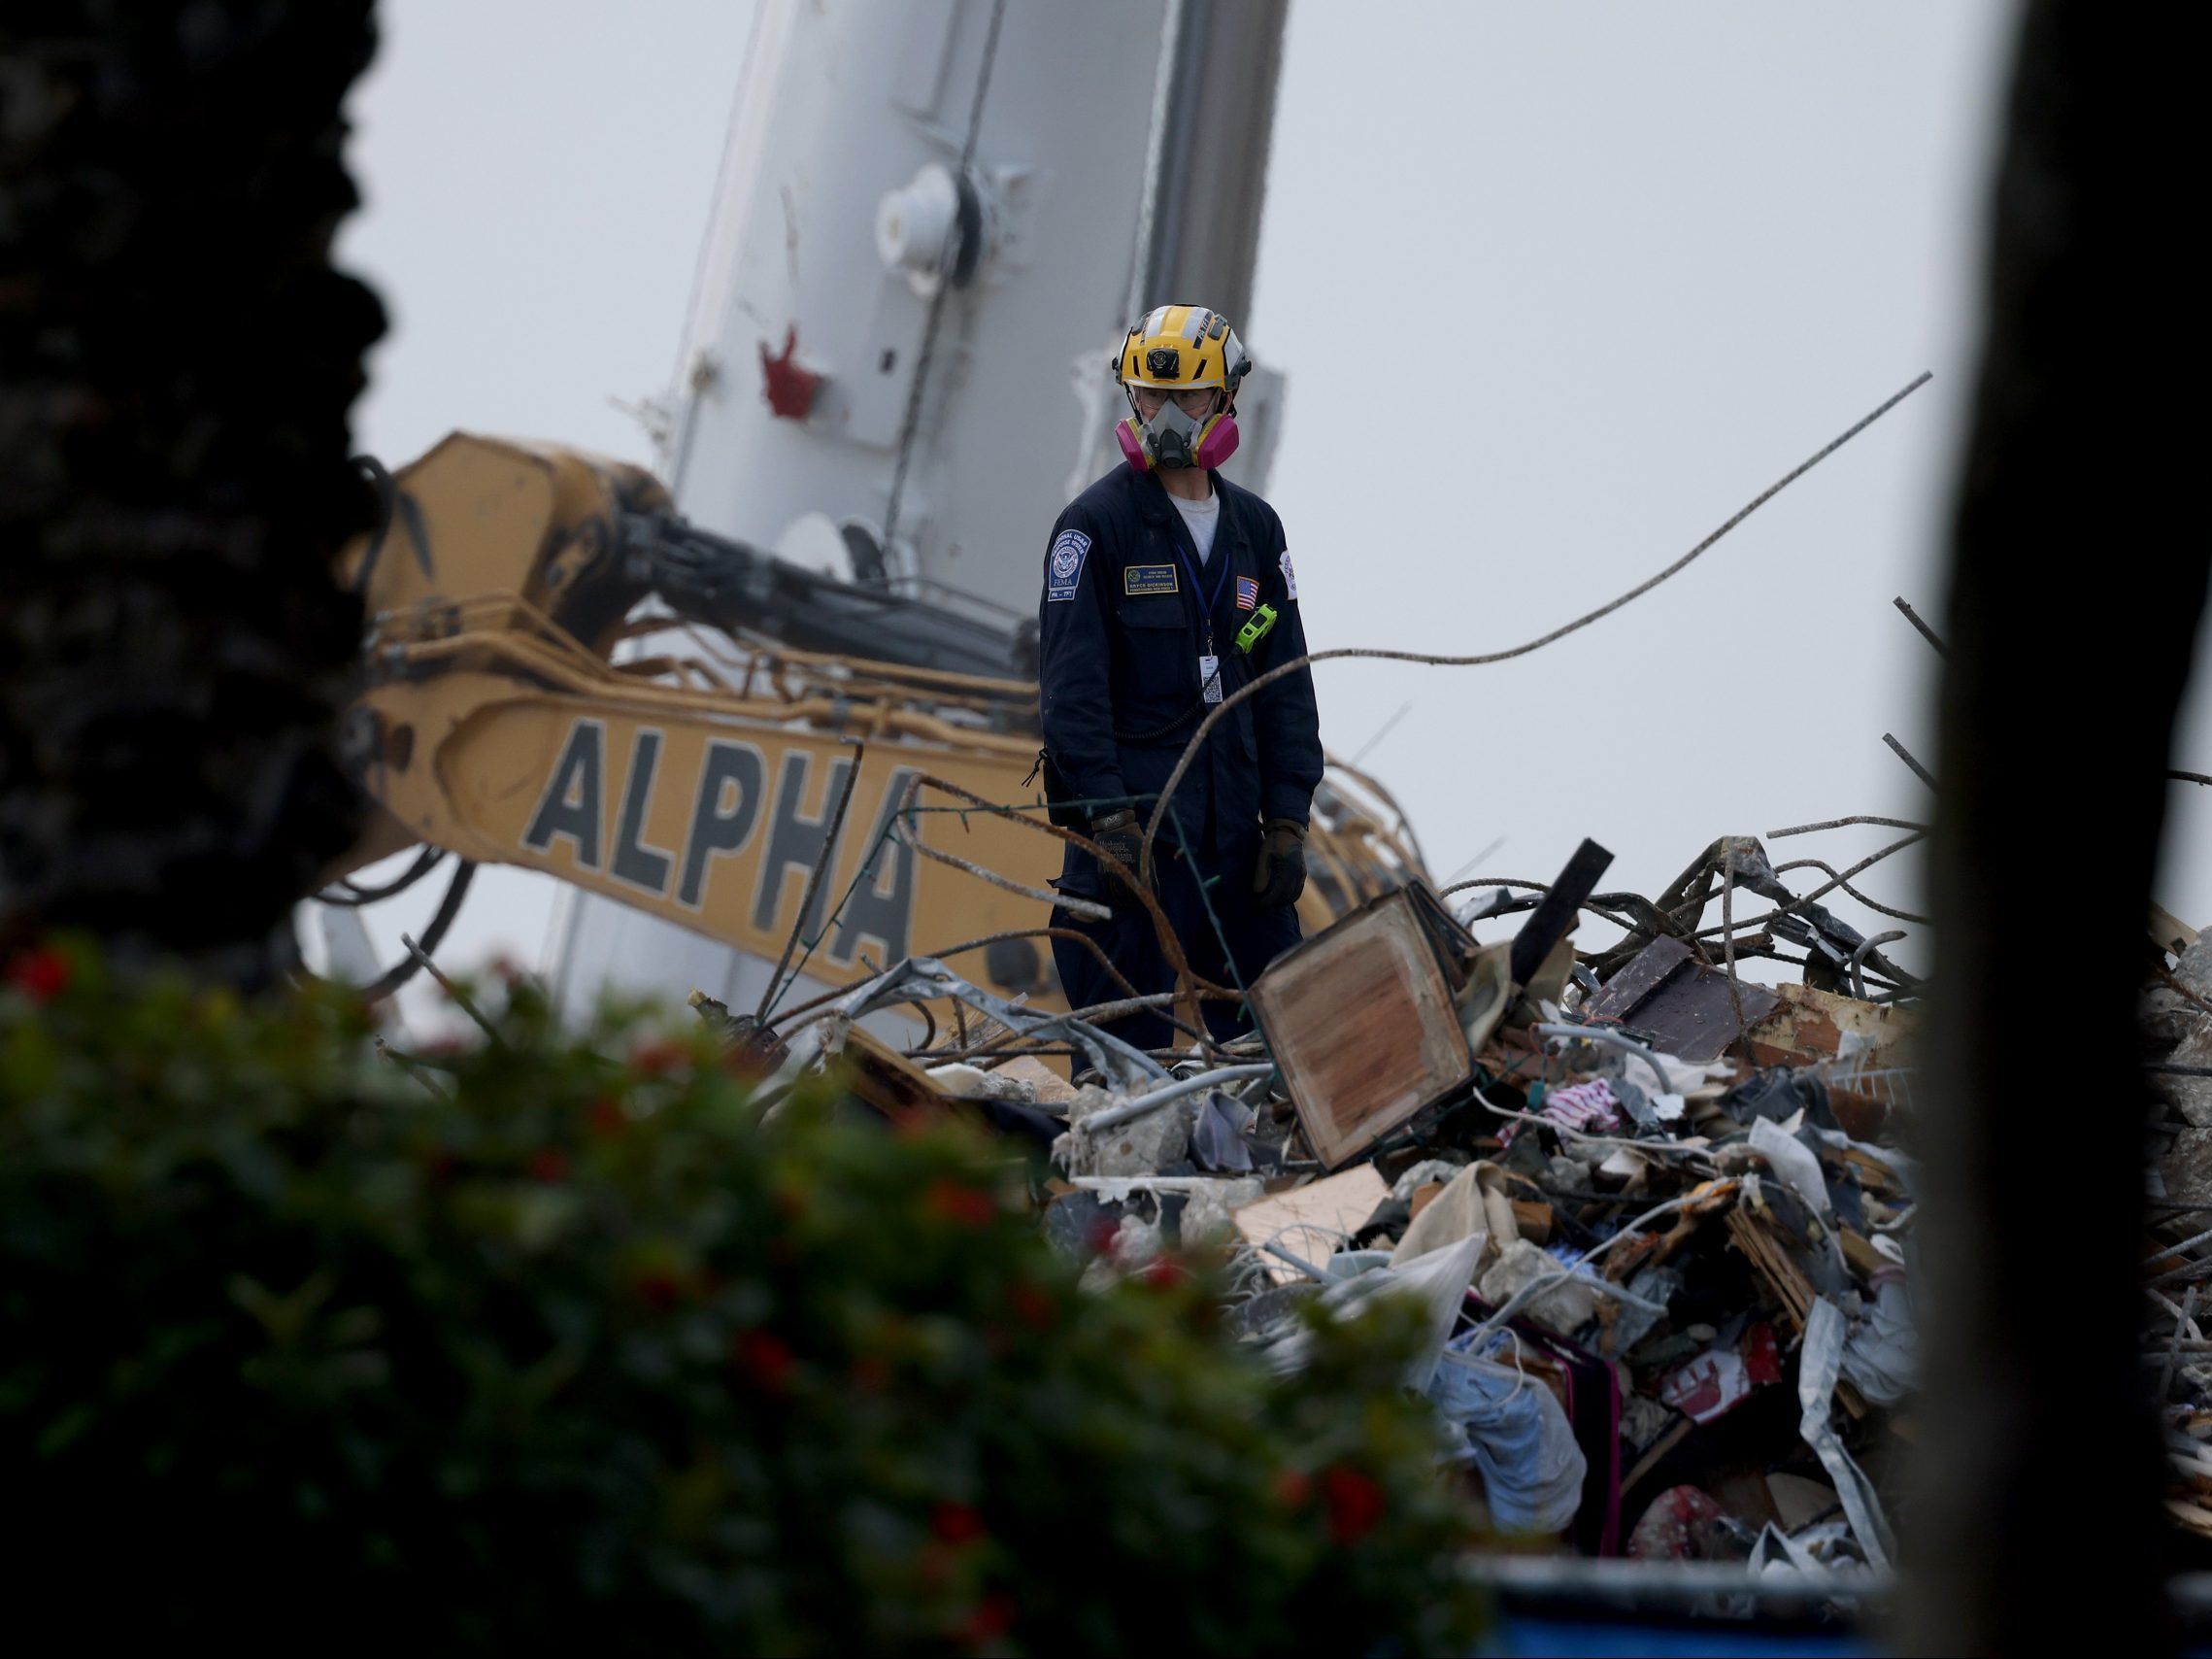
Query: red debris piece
[789,388]
[1719,1380]
[1679,1526]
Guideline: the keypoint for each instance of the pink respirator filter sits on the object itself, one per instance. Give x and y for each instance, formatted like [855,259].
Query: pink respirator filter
[1133,446]
[1216,442]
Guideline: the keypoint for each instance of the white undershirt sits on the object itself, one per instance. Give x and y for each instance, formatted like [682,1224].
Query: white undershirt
[1201,519]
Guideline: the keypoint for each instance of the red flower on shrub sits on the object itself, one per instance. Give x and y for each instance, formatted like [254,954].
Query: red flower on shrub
[870,1376]
[765,1358]
[1355,1503]
[607,1118]
[1165,1273]
[658,1287]
[992,1618]
[956,1523]
[550,1164]
[963,1205]
[1033,1306]
[658,1058]
[41,974]
[1292,1487]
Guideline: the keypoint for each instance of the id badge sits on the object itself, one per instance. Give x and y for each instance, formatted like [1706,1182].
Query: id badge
[1210,676]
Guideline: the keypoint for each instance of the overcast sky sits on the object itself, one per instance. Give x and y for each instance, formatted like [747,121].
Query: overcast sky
[1636,262]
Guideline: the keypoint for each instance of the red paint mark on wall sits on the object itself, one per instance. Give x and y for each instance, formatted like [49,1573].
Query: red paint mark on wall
[789,388]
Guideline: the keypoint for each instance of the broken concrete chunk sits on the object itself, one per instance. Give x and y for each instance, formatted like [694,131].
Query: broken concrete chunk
[2192,1029]
[2187,1167]
[1140,1147]
[1210,1215]
[974,1083]
[1420,1174]
[1051,1088]
[1565,1308]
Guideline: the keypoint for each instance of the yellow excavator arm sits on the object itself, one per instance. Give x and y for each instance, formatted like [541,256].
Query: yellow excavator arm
[764,723]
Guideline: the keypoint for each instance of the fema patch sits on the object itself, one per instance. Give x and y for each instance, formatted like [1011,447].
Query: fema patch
[1247,593]
[1289,576]
[1141,578]
[1064,564]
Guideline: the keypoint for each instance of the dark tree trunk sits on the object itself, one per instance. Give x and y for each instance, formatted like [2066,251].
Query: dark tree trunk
[2073,609]
[176,362]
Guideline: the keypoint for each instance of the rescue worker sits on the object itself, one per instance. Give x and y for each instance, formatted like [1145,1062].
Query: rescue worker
[1167,589]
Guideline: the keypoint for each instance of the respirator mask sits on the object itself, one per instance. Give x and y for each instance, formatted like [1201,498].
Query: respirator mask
[1175,437]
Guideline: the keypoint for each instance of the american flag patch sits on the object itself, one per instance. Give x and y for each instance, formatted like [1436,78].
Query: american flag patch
[1247,593]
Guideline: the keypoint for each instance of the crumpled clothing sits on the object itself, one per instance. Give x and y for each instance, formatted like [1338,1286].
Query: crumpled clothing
[1217,1135]
[1511,1428]
[1590,1106]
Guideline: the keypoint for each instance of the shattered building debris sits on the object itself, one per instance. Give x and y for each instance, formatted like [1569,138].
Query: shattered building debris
[1657,1214]
[2176,1026]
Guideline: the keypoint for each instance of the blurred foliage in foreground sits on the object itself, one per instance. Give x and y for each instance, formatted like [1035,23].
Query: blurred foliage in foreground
[573,1350]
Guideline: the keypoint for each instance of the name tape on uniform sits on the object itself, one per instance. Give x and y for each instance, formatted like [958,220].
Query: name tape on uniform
[1140,579]
[1064,566]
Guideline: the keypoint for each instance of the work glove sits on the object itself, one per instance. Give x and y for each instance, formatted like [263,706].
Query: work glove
[1120,839]
[1280,875]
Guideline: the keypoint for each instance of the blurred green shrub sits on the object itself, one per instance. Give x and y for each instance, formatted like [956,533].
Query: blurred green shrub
[573,1351]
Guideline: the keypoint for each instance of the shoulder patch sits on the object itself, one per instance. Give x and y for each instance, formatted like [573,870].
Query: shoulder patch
[1289,576]
[1064,564]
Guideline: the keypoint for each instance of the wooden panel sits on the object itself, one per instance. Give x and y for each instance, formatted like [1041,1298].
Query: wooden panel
[1361,1021]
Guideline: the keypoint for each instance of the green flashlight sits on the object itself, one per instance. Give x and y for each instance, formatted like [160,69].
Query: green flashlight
[1257,629]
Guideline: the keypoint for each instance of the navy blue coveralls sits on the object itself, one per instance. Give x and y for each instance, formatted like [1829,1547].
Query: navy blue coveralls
[1121,623]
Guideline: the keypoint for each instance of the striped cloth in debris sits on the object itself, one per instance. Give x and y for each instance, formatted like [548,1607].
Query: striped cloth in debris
[1587,1106]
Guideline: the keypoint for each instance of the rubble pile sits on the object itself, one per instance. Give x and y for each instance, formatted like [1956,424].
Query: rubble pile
[2176,1024]
[1654,1212]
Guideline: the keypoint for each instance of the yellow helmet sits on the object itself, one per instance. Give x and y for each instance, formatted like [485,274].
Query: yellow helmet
[1179,348]
[1176,346]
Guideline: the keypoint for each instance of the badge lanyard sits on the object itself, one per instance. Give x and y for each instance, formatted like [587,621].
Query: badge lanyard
[1209,664]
